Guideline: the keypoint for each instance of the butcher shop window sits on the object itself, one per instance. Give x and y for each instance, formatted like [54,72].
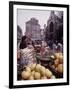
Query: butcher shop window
[51,27]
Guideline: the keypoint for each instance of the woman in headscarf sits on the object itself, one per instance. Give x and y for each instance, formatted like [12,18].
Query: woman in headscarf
[27,53]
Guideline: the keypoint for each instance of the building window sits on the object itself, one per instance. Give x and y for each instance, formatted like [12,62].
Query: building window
[51,27]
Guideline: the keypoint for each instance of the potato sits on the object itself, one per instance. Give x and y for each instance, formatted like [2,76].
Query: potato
[42,70]
[52,77]
[28,69]
[25,74]
[33,66]
[56,62]
[60,68]
[37,75]
[38,67]
[48,73]
[44,77]
[33,73]
[61,59]
[57,55]
[31,78]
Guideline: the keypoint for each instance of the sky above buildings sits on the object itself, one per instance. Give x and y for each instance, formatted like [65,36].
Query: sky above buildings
[25,15]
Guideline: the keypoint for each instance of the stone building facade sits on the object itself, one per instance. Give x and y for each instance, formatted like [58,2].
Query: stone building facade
[19,35]
[33,30]
[54,29]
